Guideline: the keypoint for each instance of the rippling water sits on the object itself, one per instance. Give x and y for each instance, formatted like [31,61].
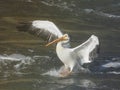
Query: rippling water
[25,64]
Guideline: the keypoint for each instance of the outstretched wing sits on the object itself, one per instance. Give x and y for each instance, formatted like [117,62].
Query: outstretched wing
[44,29]
[83,51]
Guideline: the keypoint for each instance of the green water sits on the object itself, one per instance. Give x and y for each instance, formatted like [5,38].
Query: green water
[29,76]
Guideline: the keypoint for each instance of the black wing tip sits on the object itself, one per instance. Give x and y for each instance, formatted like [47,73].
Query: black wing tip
[98,49]
[23,26]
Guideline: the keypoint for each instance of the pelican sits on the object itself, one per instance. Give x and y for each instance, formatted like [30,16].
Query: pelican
[70,57]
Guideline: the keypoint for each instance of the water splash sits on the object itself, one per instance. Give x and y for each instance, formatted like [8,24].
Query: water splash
[53,72]
[20,64]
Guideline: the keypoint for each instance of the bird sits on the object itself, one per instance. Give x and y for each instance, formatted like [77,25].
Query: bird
[72,58]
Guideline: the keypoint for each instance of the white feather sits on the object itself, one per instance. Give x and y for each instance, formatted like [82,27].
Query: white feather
[47,26]
[74,57]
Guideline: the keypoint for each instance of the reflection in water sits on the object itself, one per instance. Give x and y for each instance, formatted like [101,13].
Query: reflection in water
[85,83]
[55,83]
[23,59]
[32,72]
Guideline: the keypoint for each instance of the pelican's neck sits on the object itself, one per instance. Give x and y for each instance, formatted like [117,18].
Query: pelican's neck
[60,45]
[63,44]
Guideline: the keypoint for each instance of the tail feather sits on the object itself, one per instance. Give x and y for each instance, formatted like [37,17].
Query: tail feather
[23,26]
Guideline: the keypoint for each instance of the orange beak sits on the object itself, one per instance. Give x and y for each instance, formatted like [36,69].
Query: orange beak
[64,37]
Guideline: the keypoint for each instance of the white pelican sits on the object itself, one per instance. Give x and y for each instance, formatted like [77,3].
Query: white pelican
[71,57]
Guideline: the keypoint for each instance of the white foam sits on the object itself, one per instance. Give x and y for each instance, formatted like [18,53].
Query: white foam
[13,57]
[114,72]
[56,72]
[112,64]
[52,72]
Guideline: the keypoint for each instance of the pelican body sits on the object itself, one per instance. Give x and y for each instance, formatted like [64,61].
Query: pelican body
[78,55]
[70,57]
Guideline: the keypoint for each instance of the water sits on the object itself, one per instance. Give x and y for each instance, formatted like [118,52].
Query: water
[25,64]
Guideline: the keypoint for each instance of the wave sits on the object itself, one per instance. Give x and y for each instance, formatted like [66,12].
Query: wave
[20,64]
[88,10]
[14,57]
[112,65]
[45,65]
[100,13]
[60,4]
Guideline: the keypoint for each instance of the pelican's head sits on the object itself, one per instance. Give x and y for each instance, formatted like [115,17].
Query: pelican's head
[64,38]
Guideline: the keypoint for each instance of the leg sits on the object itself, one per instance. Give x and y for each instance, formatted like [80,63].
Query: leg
[64,71]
